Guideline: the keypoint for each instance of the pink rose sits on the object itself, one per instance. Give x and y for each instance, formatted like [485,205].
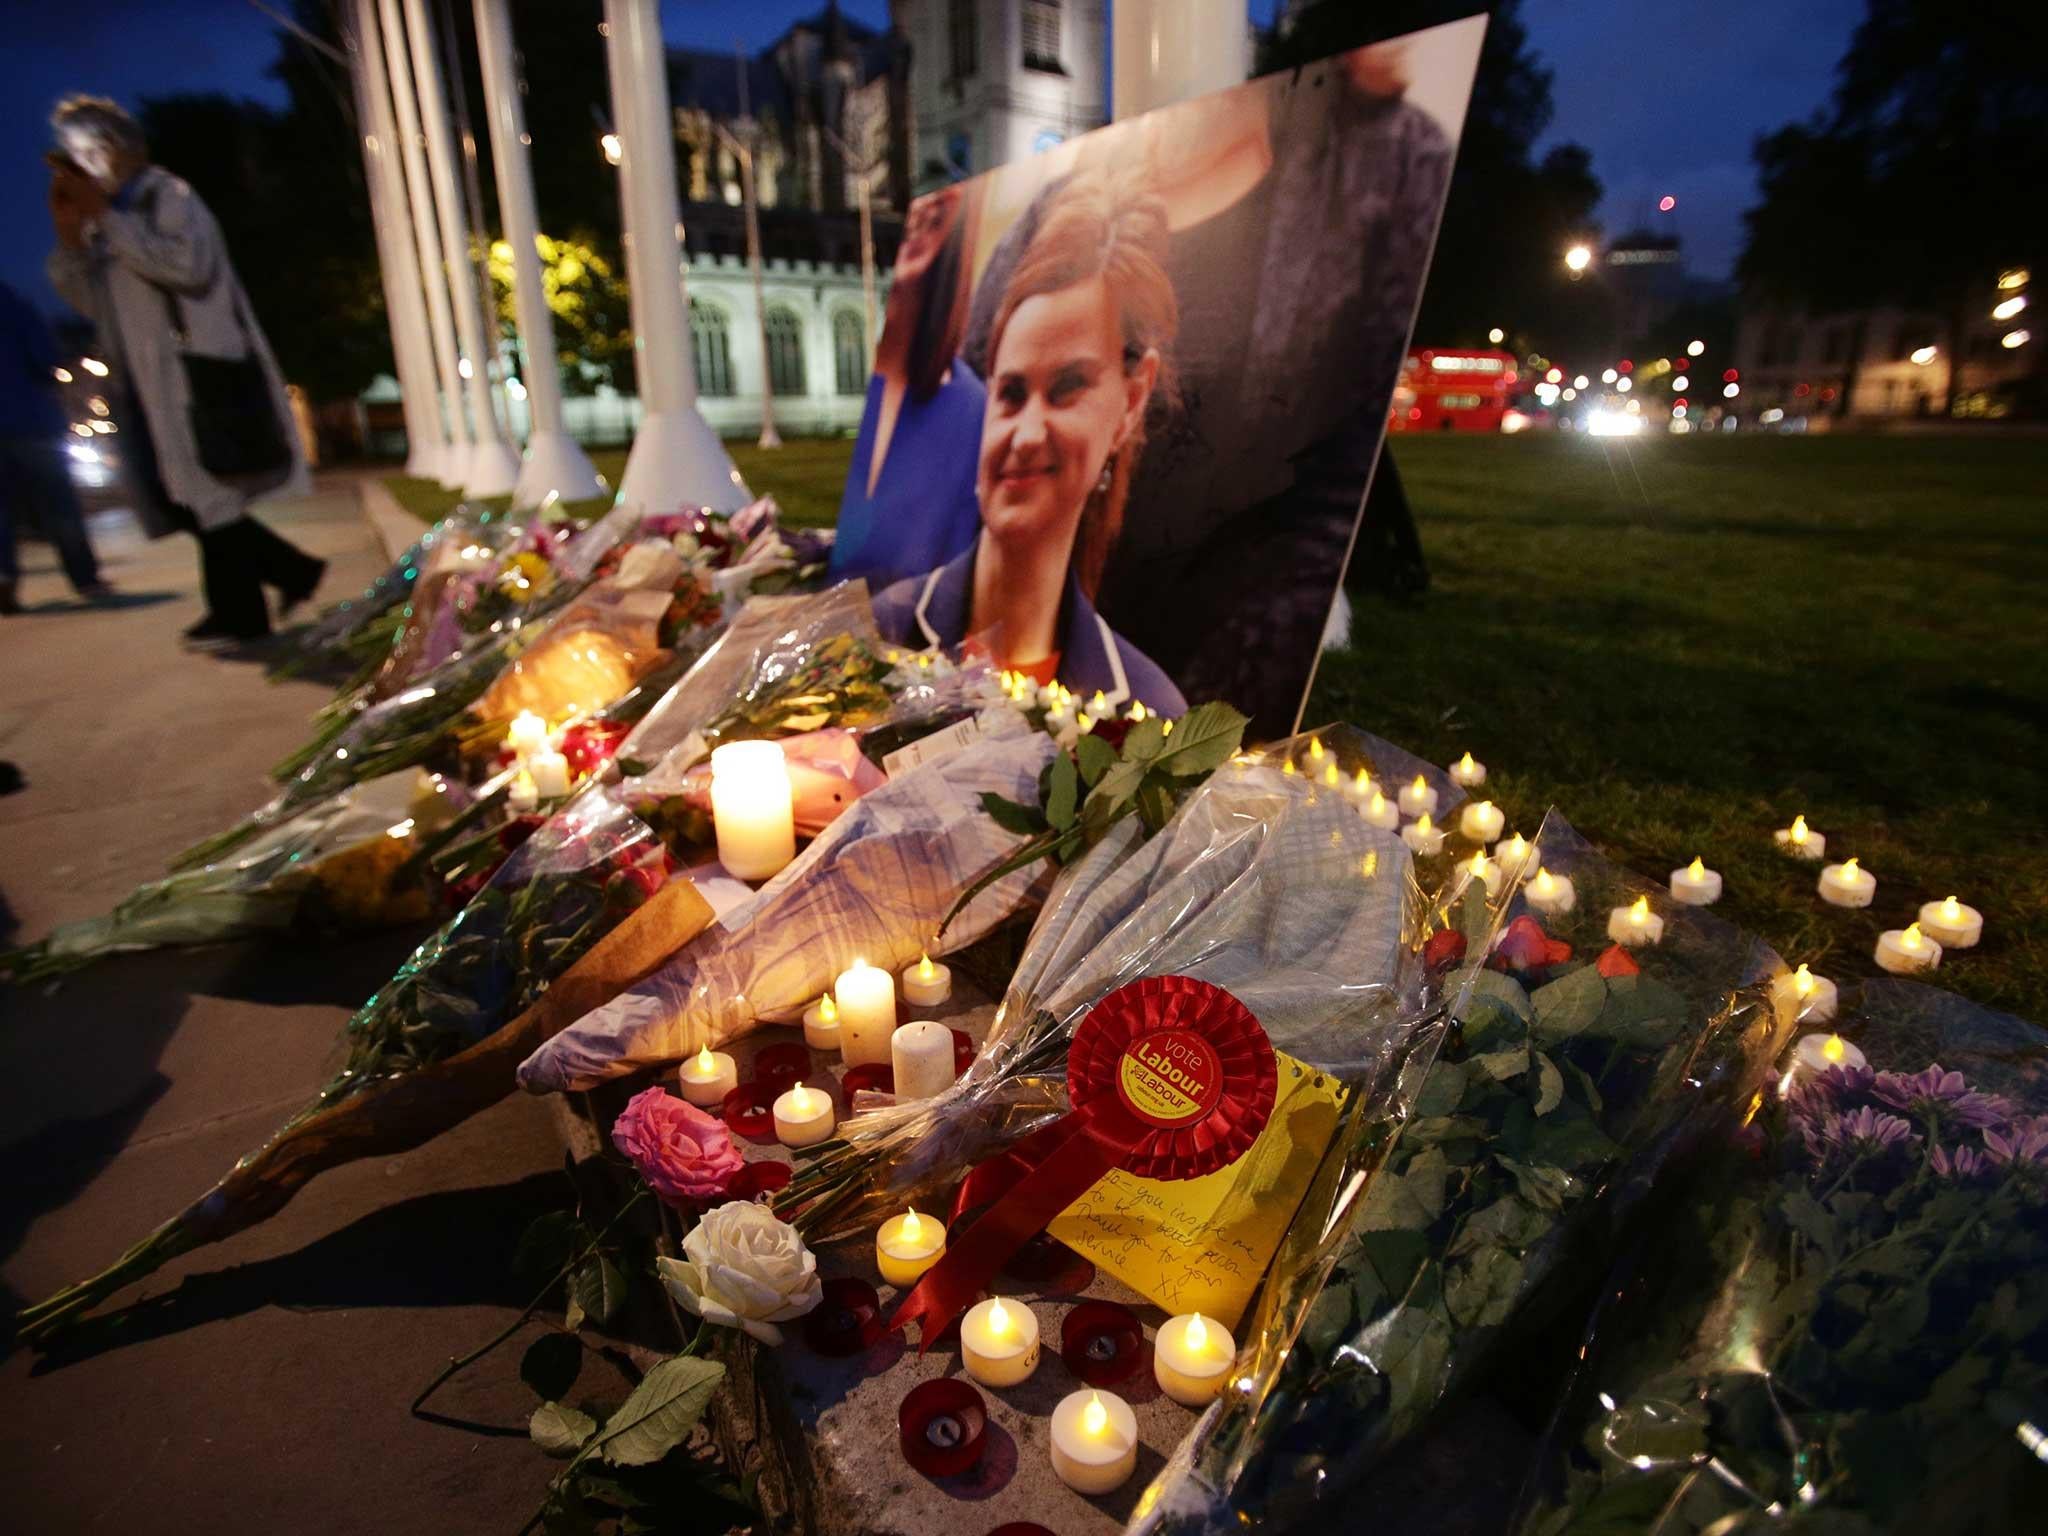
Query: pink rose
[685,1155]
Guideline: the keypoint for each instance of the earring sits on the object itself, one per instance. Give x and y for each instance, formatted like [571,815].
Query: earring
[1102,480]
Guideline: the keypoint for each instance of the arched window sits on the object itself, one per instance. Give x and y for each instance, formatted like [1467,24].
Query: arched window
[849,353]
[711,349]
[785,332]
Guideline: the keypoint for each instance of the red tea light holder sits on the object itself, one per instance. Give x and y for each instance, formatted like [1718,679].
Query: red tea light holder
[1102,1343]
[869,1077]
[846,1321]
[749,1112]
[963,1051]
[779,1068]
[942,1427]
[765,1177]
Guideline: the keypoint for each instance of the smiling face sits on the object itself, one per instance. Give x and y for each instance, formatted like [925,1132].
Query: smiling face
[1060,401]
[924,233]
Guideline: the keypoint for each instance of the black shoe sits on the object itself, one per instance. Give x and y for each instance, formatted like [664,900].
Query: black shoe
[97,593]
[291,600]
[9,603]
[210,631]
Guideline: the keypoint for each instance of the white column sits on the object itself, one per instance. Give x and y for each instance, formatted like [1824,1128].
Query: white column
[676,459]
[493,465]
[412,351]
[555,465]
[1169,50]
[454,468]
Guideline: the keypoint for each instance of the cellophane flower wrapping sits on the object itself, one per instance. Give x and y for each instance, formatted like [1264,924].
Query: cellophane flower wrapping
[1266,882]
[1838,1320]
[367,624]
[1499,1163]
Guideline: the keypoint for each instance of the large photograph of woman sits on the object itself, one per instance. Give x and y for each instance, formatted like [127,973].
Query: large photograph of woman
[1184,330]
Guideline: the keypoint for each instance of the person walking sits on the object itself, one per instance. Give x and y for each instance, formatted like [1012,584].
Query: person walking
[34,479]
[198,397]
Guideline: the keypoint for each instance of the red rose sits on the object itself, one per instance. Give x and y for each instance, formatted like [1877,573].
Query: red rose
[685,1155]
[1524,946]
[1616,961]
[1444,949]
[519,829]
[1112,731]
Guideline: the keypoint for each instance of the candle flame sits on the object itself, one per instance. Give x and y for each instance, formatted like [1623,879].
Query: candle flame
[998,1317]
[1421,784]
[1911,937]
[1288,767]
[1802,981]
[924,966]
[1379,803]
[1331,776]
[1640,912]
[828,1011]
[1422,823]
[1479,865]
[1543,881]
[800,1100]
[704,1062]
[1198,1331]
[913,1227]
[1798,829]
[1166,729]
[1849,870]
[1950,910]
[1696,870]
[1095,1417]
[1315,748]
[1098,702]
[1465,763]
[1833,1048]
[1363,781]
[1137,709]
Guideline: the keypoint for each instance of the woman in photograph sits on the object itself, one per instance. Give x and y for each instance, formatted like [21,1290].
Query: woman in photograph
[909,498]
[1081,343]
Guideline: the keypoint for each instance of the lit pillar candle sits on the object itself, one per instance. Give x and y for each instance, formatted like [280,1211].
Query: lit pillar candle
[1378,811]
[1805,998]
[1191,1359]
[1479,867]
[550,772]
[752,809]
[927,983]
[707,1077]
[528,734]
[907,1246]
[1696,885]
[821,1024]
[999,1342]
[1847,884]
[1903,951]
[1094,1441]
[1800,840]
[1418,799]
[1423,836]
[1517,858]
[803,1117]
[522,796]
[1552,895]
[921,1058]
[1952,924]
[866,995]
[1482,821]
[1468,772]
[1636,926]
[1816,1053]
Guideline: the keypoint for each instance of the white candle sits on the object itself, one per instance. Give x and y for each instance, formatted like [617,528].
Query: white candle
[821,1024]
[1423,836]
[999,1342]
[1805,997]
[1696,885]
[1418,799]
[1518,858]
[707,1077]
[866,995]
[1903,951]
[1468,772]
[907,1246]
[1479,867]
[550,772]
[1138,711]
[1058,718]
[1191,1359]
[1332,777]
[1847,885]
[528,734]
[1636,926]
[1379,811]
[1316,753]
[752,809]
[522,796]
[1098,708]
[927,983]
[1800,840]
[1094,1441]
[1952,924]
[803,1117]
[1816,1053]
[1482,821]
[921,1057]
[1552,895]
[1361,787]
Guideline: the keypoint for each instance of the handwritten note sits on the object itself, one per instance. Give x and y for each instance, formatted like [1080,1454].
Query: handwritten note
[1203,1244]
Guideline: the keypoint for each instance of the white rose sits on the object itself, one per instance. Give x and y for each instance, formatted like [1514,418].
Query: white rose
[744,1268]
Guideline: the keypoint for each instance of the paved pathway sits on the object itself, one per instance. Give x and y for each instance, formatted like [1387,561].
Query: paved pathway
[263,1384]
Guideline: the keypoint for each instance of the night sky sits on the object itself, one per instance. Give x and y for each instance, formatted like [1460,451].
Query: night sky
[1668,98]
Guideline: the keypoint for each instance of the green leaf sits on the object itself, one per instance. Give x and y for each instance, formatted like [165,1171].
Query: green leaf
[551,1363]
[1570,1005]
[1540,1184]
[599,1287]
[1155,804]
[1096,756]
[1117,788]
[1145,741]
[1203,740]
[1549,1085]
[1510,1222]
[546,1245]
[1482,1292]
[560,1431]
[1442,1090]
[1063,792]
[1023,820]
[1503,1065]
[662,1411]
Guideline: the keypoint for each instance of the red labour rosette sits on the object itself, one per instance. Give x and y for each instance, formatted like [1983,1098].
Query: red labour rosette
[1169,1078]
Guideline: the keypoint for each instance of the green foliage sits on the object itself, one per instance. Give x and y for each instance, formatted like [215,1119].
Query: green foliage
[588,300]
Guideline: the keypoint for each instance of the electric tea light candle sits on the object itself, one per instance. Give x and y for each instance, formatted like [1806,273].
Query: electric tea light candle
[1361,787]
[921,1058]
[999,1342]
[927,983]
[1191,1359]
[1380,812]
[752,809]
[1482,821]
[866,995]
[1635,926]
[1552,895]
[1468,772]
[1479,867]
[1816,1053]
[1423,836]
[907,1246]
[803,1117]
[1847,884]
[707,1077]
[1696,885]
[1952,924]
[821,1024]
[1807,998]
[1905,951]
[1517,858]
[1800,840]
[1418,799]
[1094,1441]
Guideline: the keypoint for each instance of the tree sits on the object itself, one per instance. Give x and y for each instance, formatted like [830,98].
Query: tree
[588,299]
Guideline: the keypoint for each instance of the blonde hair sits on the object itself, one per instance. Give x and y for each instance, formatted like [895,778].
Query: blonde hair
[1106,226]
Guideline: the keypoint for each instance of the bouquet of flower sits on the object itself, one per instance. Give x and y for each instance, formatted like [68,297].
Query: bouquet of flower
[1564,1084]
[1846,1323]
[363,628]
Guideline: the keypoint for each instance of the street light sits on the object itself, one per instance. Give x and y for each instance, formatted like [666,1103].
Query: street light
[1608,376]
[1681,384]
[1578,258]
[2012,339]
[93,366]
[1925,355]
[1497,335]
[1581,382]
[1730,391]
[2013,277]
[2010,307]
[1695,349]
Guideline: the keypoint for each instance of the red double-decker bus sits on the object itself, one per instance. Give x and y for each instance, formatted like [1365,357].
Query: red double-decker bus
[1452,391]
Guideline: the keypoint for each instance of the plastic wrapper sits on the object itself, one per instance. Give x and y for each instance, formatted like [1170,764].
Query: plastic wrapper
[1569,1076]
[364,627]
[875,885]
[1839,1319]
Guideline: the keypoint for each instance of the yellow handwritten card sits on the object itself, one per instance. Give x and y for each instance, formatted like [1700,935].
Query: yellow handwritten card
[1202,1245]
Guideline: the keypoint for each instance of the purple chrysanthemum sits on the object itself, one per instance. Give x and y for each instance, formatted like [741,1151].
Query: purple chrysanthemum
[1962,1163]
[1818,1094]
[1863,1132]
[2025,1141]
[1941,1096]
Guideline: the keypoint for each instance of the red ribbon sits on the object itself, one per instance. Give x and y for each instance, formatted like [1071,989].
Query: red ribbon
[1169,1078]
